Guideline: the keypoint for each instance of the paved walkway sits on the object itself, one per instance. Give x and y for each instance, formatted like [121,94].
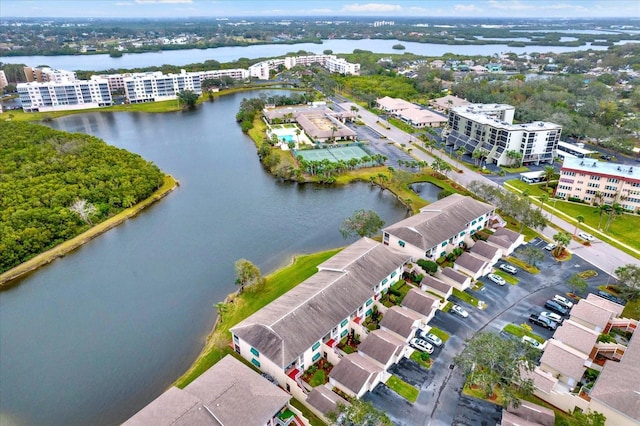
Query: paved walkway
[599,253]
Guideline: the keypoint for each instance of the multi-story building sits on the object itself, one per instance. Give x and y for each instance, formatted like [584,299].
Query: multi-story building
[489,127]
[46,74]
[115,81]
[600,182]
[155,86]
[52,96]
[3,80]
[332,63]
[234,73]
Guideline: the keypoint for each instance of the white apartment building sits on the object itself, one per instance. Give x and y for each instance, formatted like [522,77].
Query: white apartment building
[155,86]
[235,73]
[340,65]
[52,96]
[489,127]
[597,182]
[46,74]
[330,62]
[115,81]
[3,80]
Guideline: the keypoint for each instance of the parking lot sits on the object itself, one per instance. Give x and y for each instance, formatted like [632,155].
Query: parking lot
[440,401]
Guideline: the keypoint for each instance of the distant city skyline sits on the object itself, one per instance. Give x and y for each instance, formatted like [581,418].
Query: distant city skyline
[329,8]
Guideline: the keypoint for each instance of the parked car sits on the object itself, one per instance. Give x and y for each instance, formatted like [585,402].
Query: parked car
[535,319]
[433,339]
[550,247]
[563,301]
[496,279]
[586,237]
[610,297]
[531,341]
[553,317]
[606,157]
[556,307]
[509,268]
[457,309]
[421,345]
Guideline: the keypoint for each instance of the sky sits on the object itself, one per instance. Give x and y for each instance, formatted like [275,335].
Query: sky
[333,8]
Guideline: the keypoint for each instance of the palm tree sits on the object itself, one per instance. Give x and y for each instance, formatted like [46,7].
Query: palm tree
[548,173]
[429,144]
[579,220]
[543,199]
[616,210]
[563,239]
[602,210]
[515,157]
[459,154]
[476,156]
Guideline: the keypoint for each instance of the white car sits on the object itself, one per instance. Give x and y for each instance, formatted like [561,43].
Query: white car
[421,345]
[563,301]
[551,316]
[496,279]
[550,247]
[585,236]
[433,339]
[531,341]
[457,309]
[509,268]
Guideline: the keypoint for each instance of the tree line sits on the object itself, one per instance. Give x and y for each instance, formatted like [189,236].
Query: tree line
[54,185]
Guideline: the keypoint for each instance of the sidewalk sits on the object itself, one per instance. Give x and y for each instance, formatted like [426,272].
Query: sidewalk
[599,253]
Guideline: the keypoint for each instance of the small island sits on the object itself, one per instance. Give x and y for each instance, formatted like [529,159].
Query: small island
[398,46]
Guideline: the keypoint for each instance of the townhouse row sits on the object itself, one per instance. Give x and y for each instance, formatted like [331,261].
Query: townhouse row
[307,325]
[576,348]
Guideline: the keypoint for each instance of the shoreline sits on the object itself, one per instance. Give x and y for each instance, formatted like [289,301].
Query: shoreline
[7,278]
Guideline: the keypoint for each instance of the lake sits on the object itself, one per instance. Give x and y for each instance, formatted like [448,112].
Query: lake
[96,335]
[230,54]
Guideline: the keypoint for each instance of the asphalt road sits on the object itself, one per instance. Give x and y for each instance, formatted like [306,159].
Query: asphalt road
[440,401]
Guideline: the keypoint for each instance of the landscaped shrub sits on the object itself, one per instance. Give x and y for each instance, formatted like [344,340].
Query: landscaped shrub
[441,260]
[429,266]
[457,251]
[575,200]
[425,356]
[451,257]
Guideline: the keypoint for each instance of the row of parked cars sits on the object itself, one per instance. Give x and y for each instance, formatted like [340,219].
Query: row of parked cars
[557,309]
[425,342]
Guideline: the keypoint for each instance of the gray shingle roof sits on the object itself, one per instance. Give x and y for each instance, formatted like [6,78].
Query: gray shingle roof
[226,390]
[439,221]
[566,360]
[470,262]
[484,249]
[456,276]
[400,320]
[324,400]
[381,345]
[288,326]
[590,313]
[354,371]
[528,413]
[436,284]
[606,304]
[420,302]
[618,385]
[577,336]
[508,234]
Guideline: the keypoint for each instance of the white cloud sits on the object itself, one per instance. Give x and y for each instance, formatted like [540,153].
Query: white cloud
[321,11]
[466,8]
[162,1]
[372,7]
[510,5]
[123,3]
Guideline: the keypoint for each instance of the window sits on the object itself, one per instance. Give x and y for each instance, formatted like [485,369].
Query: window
[401,243]
[315,346]
[369,302]
[236,339]
[386,280]
[315,357]
[444,244]
[344,322]
[393,274]
[344,333]
[255,362]
[369,312]
[255,352]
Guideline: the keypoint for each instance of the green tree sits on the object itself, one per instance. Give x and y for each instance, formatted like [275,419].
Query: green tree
[577,284]
[187,98]
[579,220]
[548,173]
[363,223]
[532,254]
[489,361]
[629,281]
[515,158]
[562,239]
[590,418]
[358,413]
[247,274]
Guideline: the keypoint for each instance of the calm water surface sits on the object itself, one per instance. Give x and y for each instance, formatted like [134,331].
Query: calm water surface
[93,337]
[229,54]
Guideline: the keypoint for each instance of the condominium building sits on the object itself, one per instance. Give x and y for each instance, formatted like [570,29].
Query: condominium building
[234,73]
[598,182]
[3,80]
[69,95]
[489,127]
[332,63]
[46,74]
[155,86]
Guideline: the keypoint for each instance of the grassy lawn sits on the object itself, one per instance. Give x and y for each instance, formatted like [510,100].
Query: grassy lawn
[522,169]
[535,190]
[243,305]
[440,333]
[463,295]
[507,277]
[447,307]
[416,356]
[519,331]
[632,309]
[523,265]
[403,388]
[319,378]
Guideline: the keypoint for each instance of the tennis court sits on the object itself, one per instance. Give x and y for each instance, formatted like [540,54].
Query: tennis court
[334,154]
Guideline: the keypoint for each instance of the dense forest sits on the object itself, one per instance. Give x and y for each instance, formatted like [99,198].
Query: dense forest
[55,185]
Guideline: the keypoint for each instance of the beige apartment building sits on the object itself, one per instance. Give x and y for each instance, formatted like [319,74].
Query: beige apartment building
[598,182]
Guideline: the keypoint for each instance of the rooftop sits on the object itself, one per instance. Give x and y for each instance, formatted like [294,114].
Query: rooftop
[420,302]
[591,313]
[577,336]
[400,320]
[470,262]
[382,346]
[602,167]
[324,400]
[564,359]
[354,371]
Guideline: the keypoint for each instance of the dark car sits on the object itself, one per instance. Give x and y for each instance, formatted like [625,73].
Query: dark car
[611,297]
[535,319]
[606,157]
[554,306]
